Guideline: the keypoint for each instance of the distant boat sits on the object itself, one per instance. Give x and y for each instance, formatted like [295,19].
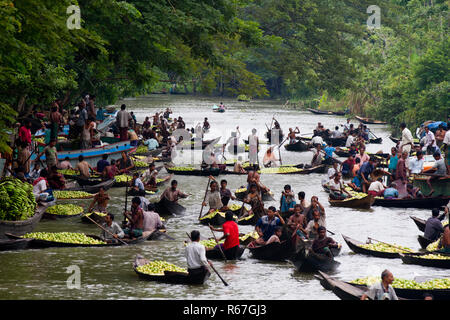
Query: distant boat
[369,121]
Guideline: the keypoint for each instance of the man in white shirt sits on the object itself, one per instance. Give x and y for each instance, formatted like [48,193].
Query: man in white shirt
[415,165]
[430,141]
[317,140]
[350,140]
[407,141]
[376,188]
[196,257]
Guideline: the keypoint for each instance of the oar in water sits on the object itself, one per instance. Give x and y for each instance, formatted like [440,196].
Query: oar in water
[212,267]
[104,229]
[218,244]
[126,203]
[392,245]
[204,198]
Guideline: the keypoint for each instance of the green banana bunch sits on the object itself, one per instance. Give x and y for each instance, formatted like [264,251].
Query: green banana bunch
[17,201]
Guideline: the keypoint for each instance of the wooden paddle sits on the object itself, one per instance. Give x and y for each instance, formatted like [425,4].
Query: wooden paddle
[204,198]
[218,244]
[390,245]
[104,229]
[212,267]
[126,203]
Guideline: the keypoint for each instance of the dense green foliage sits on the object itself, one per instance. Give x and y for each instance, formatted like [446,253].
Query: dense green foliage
[320,51]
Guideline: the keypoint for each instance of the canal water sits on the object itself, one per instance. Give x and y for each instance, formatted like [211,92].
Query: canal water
[106,273]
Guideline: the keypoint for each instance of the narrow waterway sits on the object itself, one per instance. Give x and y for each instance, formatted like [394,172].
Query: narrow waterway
[106,273]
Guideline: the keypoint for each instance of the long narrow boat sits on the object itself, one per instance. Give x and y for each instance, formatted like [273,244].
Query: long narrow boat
[414,294]
[215,254]
[369,121]
[356,246]
[294,170]
[42,244]
[23,226]
[441,185]
[165,207]
[316,111]
[424,242]
[298,146]
[308,261]
[363,203]
[249,220]
[200,172]
[167,277]
[14,244]
[274,251]
[241,193]
[423,203]
[93,155]
[335,142]
[419,259]
[94,188]
[343,290]
[420,223]
[216,218]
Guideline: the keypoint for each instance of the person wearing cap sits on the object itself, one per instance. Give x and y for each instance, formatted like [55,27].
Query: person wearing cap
[382,290]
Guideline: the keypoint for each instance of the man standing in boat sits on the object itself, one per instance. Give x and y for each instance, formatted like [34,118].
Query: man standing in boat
[407,141]
[382,290]
[196,257]
[123,119]
[230,231]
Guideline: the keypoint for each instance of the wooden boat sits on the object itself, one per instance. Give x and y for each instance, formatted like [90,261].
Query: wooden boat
[369,121]
[420,223]
[248,220]
[335,142]
[266,196]
[217,219]
[363,203]
[415,258]
[274,251]
[424,242]
[298,146]
[23,226]
[153,153]
[167,277]
[317,169]
[309,261]
[14,244]
[343,290]
[215,254]
[376,140]
[441,186]
[92,188]
[423,203]
[202,172]
[414,294]
[141,193]
[42,244]
[93,155]
[355,246]
[94,216]
[316,111]
[165,207]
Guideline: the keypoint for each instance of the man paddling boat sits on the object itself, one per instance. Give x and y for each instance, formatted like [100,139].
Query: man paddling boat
[230,231]
[135,225]
[322,243]
[172,194]
[196,257]
[112,231]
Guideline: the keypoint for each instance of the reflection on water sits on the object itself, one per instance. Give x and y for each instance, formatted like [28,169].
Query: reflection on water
[106,273]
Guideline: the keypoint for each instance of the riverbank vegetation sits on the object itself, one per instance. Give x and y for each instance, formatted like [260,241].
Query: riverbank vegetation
[320,53]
